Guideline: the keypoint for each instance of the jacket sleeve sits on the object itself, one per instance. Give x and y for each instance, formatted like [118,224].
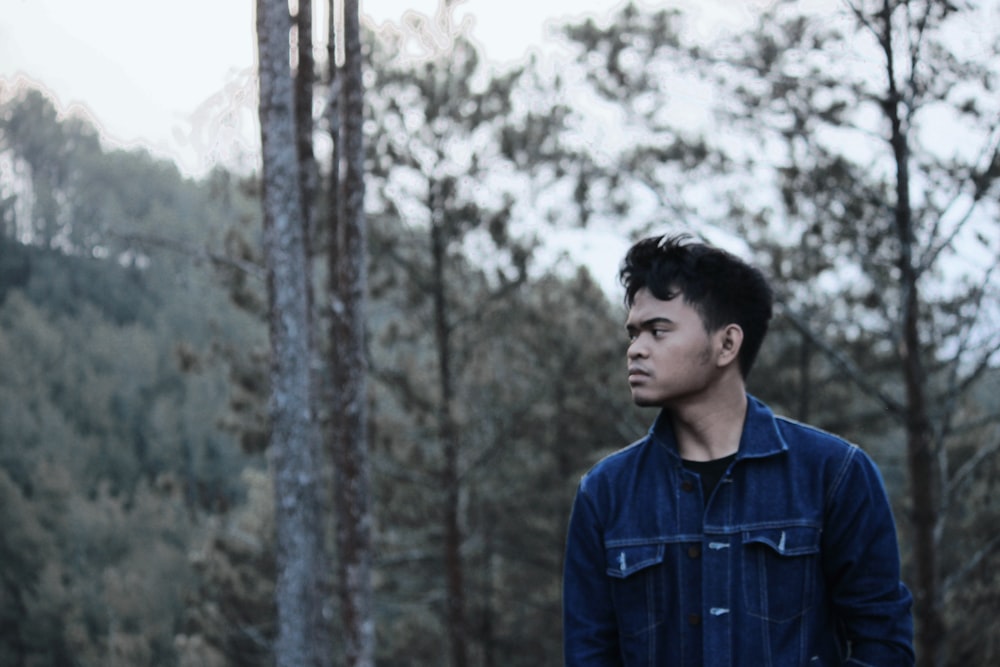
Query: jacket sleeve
[862,568]
[590,633]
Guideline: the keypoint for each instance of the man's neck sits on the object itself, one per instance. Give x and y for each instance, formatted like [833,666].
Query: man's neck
[710,429]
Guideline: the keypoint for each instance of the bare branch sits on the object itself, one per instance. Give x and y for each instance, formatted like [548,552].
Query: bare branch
[856,10]
[961,477]
[854,373]
[980,180]
[964,473]
[955,578]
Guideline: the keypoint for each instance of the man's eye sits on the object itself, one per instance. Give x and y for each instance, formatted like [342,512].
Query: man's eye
[659,333]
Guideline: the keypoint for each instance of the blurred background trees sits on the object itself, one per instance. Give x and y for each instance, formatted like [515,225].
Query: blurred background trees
[852,153]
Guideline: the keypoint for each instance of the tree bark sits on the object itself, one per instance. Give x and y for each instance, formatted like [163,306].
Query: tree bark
[305,79]
[447,432]
[349,422]
[294,438]
[921,461]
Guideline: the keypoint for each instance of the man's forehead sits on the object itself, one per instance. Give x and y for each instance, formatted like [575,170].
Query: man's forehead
[647,306]
[645,297]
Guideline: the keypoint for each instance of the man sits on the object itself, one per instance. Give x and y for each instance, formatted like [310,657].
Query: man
[727,536]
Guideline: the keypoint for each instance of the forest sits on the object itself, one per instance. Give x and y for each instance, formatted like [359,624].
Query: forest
[852,153]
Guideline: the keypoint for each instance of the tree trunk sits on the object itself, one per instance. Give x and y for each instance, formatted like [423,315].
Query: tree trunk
[803,409]
[294,438]
[921,461]
[305,79]
[447,432]
[349,421]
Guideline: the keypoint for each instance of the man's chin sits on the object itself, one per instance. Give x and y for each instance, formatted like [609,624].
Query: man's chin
[645,401]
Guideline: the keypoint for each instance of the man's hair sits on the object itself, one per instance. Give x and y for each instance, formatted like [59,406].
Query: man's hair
[720,286]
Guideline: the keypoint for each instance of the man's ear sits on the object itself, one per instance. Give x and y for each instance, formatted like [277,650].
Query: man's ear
[730,341]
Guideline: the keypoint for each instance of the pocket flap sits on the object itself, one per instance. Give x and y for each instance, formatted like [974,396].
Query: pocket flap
[626,560]
[785,540]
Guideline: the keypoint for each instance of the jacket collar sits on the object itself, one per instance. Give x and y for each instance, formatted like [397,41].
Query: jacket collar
[761,436]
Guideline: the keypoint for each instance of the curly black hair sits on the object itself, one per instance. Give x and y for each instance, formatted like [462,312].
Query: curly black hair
[720,286]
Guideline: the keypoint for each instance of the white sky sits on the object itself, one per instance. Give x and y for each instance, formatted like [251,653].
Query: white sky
[141,68]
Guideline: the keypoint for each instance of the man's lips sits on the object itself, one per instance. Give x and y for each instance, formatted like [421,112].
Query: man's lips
[637,373]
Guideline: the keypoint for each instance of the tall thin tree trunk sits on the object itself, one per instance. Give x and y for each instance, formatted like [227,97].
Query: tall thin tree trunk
[305,79]
[349,422]
[802,410]
[447,432]
[488,631]
[294,438]
[921,461]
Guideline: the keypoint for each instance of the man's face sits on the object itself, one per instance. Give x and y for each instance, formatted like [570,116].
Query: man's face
[670,354]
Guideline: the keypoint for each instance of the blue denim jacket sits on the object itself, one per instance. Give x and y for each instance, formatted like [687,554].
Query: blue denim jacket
[792,561]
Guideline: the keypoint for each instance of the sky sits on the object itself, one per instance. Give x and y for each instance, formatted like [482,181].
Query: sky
[144,71]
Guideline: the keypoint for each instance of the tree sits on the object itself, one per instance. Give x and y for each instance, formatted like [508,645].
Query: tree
[548,404]
[301,636]
[348,284]
[539,397]
[39,147]
[64,191]
[630,88]
[439,140]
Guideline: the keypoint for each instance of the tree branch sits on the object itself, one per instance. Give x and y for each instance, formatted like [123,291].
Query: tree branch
[955,578]
[856,375]
[962,475]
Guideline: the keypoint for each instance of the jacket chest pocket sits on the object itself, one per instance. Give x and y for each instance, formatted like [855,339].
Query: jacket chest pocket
[637,584]
[781,572]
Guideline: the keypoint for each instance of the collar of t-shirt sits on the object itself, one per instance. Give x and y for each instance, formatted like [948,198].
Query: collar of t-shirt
[710,471]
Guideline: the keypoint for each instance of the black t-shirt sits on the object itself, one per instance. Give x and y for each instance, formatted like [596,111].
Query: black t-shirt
[710,471]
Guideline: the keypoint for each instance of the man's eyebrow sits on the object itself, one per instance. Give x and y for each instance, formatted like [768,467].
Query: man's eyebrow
[646,324]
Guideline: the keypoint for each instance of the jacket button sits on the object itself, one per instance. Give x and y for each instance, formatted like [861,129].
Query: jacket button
[694,551]
[687,486]
[694,619]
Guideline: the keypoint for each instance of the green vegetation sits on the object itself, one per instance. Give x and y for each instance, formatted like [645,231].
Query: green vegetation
[135,495]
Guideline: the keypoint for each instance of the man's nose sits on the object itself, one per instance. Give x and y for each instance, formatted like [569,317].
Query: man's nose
[636,348]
